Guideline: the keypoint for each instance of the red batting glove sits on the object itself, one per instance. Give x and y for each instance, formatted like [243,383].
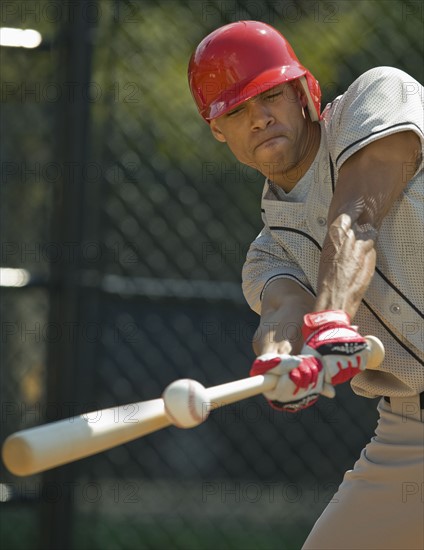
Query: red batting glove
[300,380]
[329,337]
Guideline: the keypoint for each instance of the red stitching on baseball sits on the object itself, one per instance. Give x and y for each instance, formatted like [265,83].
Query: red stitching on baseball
[191,404]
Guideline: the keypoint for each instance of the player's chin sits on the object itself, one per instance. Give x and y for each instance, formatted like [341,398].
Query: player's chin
[278,156]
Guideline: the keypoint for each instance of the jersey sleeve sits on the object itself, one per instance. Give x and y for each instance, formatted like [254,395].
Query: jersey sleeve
[381,102]
[266,261]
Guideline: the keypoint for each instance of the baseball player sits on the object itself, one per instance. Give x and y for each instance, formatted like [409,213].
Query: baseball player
[342,242]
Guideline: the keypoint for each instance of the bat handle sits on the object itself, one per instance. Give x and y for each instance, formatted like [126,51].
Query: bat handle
[224,394]
[231,392]
[376,352]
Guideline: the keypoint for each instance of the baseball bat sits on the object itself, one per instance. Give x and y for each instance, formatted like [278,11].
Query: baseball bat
[34,450]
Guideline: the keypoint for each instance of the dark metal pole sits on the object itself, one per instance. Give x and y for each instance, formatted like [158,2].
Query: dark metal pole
[75,51]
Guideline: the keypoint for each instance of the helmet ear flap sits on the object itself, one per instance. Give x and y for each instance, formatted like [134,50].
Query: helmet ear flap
[309,103]
[300,91]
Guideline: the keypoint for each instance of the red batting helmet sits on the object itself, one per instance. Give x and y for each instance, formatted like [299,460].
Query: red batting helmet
[241,60]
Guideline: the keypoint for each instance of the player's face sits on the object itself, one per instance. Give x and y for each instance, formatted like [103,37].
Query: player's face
[270,133]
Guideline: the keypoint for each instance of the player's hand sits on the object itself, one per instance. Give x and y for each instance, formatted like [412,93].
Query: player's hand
[300,380]
[342,351]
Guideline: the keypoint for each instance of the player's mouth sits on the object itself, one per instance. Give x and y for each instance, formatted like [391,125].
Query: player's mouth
[269,141]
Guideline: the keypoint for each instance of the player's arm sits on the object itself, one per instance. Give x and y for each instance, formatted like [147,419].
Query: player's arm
[284,303]
[369,183]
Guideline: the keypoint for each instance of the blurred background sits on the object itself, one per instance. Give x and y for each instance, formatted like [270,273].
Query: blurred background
[124,229]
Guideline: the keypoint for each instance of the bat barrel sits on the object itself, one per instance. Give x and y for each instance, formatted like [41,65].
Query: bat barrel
[34,450]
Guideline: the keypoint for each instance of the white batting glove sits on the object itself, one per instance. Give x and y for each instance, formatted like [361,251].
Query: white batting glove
[300,382]
[337,344]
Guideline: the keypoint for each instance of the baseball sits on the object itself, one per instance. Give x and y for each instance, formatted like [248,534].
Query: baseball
[186,403]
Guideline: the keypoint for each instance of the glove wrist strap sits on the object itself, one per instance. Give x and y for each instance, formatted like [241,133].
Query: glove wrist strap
[320,319]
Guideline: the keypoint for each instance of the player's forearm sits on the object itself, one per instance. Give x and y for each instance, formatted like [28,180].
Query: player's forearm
[369,183]
[283,306]
[346,267]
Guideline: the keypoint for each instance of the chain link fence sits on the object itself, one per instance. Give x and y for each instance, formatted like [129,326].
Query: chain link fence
[132,224]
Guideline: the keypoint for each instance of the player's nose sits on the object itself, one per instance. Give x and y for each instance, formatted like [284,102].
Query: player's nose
[260,115]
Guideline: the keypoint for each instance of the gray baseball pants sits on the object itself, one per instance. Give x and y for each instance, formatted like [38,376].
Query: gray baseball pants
[380,503]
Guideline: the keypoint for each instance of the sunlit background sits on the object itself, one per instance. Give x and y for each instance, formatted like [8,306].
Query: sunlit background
[124,229]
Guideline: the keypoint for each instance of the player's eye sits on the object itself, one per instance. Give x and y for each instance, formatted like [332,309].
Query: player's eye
[235,111]
[274,95]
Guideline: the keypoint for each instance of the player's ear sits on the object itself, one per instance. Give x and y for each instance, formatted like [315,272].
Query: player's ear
[216,132]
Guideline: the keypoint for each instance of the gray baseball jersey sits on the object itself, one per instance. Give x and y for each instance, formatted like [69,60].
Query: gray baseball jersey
[381,102]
